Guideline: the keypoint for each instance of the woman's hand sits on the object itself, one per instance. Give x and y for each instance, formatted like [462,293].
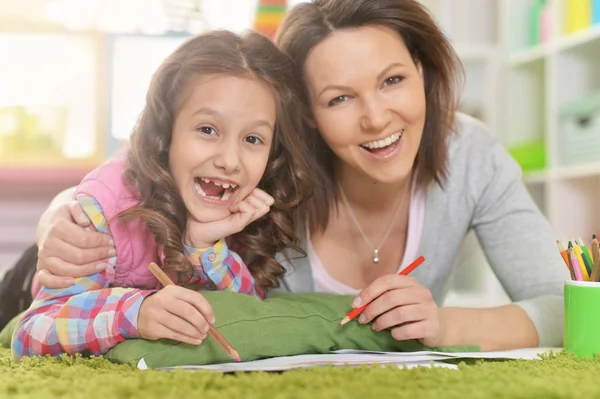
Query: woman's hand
[175,313]
[66,250]
[402,304]
[253,207]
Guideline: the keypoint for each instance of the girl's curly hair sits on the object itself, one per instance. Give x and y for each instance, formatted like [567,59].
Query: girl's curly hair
[288,176]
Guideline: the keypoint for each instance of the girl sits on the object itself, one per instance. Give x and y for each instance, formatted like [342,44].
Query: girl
[211,142]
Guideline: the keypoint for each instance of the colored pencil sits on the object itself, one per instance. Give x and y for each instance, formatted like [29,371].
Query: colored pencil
[586,254]
[580,261]
[596,255]
[212,331]
[565,256]
[575,263]
[356,311]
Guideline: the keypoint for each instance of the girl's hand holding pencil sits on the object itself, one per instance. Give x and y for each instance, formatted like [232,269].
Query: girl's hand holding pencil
[175,313]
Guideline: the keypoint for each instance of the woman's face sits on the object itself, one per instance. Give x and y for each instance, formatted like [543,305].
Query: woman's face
[368,100]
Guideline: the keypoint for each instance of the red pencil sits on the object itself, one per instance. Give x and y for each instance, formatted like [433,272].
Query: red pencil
[356,311]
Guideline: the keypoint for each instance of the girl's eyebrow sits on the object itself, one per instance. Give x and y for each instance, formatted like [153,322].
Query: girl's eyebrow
[261,122]
[213,112]
[207,110]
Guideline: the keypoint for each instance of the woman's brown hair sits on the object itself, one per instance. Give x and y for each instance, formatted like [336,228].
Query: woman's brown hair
[307,24]
[287,176]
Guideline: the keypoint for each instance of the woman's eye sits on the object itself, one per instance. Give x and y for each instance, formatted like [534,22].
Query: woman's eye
[207,130]
[337,100]
[253,140]
[393,80]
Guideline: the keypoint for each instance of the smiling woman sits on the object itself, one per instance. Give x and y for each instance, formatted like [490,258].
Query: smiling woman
[403,174]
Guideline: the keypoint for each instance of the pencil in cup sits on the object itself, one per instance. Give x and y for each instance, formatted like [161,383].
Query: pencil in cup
[575,263]
[580,262]
[565,256]
[596,259]
[212,331]
[356,311]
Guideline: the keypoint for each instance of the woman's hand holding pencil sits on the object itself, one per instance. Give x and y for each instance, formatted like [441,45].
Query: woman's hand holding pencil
[400,303]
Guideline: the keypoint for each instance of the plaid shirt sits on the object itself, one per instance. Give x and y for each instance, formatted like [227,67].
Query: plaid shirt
[92,317]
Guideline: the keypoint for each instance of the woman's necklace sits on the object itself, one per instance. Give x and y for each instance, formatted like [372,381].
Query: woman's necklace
[387,233]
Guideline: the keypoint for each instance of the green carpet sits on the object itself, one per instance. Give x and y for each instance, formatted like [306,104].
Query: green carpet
[557,376]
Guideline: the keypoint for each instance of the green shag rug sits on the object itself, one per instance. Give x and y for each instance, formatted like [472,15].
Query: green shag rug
[557,376]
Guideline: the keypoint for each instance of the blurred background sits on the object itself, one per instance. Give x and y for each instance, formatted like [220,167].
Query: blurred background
[73,76]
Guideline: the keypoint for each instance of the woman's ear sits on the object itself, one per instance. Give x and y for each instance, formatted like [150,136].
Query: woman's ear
[311,123]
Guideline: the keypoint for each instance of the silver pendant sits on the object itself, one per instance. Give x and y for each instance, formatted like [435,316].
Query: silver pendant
[376,256]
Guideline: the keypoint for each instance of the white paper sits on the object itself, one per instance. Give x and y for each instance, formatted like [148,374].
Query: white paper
[306,361]
[525,354]
[360,357]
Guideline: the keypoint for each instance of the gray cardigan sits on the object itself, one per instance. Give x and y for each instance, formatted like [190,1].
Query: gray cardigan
[484,191]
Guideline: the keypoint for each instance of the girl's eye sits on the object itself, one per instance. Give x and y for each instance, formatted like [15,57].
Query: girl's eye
[337,100]
[253,140]
[393,80]
[207,130]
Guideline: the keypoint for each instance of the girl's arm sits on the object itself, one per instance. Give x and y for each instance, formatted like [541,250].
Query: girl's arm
[224,268]
[87,316]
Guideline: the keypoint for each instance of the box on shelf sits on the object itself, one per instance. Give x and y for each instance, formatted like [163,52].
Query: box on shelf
[577,15]
[595,12]
[530,155]
[579,131]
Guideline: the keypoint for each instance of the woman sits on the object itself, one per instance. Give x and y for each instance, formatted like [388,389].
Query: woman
[402,175]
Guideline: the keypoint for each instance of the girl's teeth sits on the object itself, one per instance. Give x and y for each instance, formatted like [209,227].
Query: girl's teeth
[229,189]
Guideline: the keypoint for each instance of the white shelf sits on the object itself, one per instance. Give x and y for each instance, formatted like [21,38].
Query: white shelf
[563,173]
[475,53]
[564,43]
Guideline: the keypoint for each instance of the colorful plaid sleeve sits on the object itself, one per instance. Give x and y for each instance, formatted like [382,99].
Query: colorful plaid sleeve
[219,268]
[86,317]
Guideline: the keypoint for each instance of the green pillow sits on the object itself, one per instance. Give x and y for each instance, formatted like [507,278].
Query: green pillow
[282,325]
[7,332]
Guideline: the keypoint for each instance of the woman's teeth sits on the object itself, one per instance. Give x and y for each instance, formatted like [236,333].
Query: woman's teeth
[371,145]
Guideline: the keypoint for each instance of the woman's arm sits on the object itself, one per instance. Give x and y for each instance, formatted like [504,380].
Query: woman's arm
[520,247]
[66,250]
[57,206]
[86,316]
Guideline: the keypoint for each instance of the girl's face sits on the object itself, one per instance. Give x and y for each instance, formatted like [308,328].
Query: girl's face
[220,143]
[368,100]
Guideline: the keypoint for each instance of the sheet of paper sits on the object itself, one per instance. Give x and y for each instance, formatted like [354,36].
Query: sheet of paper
[305,361]
[360,357]
[525,353]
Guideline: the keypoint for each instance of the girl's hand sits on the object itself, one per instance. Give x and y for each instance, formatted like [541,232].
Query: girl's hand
[403,305]
[253,207]
[66,250]
[175,313]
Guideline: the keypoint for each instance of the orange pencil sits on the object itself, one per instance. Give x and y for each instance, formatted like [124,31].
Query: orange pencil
[212,331]
[565,256]
[356,311]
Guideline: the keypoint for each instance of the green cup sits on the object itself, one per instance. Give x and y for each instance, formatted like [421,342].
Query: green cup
[582,318]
